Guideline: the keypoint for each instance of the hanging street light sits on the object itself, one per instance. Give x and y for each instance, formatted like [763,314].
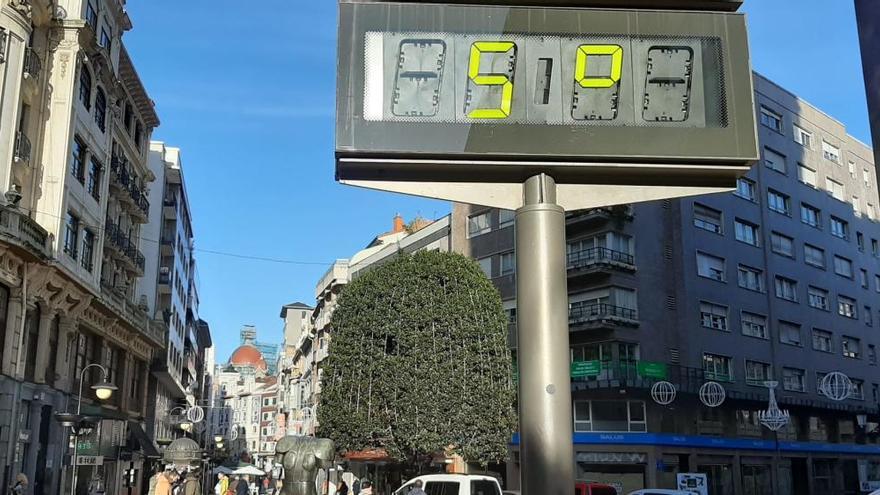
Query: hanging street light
[104,390]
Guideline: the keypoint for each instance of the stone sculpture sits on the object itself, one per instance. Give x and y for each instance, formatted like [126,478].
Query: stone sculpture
[301,458]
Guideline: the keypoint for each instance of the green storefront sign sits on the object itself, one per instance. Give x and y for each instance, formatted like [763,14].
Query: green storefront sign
[648,369]
[581,369]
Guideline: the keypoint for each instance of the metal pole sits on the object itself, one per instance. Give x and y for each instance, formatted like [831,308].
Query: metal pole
[82,375]
[546,452]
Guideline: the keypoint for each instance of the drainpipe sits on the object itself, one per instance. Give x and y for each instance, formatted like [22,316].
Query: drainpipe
[16,401]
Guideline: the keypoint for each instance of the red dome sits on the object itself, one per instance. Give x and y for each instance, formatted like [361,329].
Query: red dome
[248,355]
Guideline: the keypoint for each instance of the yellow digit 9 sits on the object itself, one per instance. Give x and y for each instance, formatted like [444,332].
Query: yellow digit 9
[580,70]
[478,78]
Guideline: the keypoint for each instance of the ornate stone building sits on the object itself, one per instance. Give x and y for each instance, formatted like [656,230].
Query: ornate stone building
[76,121]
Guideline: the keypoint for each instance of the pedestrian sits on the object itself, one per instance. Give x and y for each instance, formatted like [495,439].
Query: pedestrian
[191,485]
[232,488]
[356,487]
[417,489]
[163,483]
[278,486]
[242,488]
[342,489]
[222,484]
[366,488]
[21,484]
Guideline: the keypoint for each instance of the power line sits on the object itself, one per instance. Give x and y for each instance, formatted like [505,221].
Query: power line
[228,254]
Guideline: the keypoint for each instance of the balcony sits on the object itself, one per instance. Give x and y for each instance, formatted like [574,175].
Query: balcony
[22,148]
[599,259]
[118,241]
[119,176]
[32,64]
[22,231]
[141,206]
[600,315]
[598,216]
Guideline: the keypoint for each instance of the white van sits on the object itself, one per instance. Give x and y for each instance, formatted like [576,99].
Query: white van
[454,484]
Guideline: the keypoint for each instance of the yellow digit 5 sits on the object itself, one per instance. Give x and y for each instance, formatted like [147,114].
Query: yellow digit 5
[477,49]
[580,70]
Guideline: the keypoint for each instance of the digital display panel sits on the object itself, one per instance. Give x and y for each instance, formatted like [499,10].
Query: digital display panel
[607,80]
[440,92]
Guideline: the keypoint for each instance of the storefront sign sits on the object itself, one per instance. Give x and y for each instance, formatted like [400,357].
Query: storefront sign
[693,482]
[869,475]
[581,369]
[648,369]
[89,460]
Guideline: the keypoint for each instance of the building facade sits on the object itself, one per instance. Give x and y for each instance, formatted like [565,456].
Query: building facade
[74,175]
[777,281]
[868,20]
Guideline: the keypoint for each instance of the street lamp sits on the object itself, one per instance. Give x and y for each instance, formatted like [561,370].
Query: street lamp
[185,424]
[218,438]
[103,391]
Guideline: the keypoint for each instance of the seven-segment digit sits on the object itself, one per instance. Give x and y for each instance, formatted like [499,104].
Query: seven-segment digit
[419,74]
[490,80]
[597,75]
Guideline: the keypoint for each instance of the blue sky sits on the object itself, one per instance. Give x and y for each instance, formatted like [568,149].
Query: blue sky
[247,91]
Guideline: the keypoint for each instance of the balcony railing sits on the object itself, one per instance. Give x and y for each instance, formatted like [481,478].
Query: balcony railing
[586,313]
[119,240]
[591,256]
[119,172]
[32,63]
[22,147]
[23,230]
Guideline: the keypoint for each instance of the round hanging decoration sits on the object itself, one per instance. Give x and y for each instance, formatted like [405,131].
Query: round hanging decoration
[712,394]
[234,433]
[663,393]
[195,414]
[836,386]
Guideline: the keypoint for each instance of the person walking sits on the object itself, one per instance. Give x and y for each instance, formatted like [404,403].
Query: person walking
[191,485]
[417,489]
[222,484]
[242,487]
[21,484]
[163,484]
[366,488]
[232,488]
[342,489]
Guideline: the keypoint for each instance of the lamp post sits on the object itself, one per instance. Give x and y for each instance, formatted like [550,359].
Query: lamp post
[185,424]
[103,391]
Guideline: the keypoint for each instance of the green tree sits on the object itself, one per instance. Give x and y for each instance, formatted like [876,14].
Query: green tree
[418,363]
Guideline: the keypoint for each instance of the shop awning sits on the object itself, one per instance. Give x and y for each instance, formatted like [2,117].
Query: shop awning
[147,446]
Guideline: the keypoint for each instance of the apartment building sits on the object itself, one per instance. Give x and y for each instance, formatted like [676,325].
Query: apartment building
[777,281]
[74,175]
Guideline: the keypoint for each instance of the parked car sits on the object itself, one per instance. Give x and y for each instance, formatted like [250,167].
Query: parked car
[454,484]
[660,491]
[593,488]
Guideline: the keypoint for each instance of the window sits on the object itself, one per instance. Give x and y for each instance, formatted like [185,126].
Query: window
[817,298]
[486,265]
[607,415]
[94,184]
[479,224]
[88,250]
[746,232]
[803,137]
[710,267]
[85,87]
[754,325]
[786,288]
[851,347]
[846,306]
[852,169]
[863,277]
[757,372]
[71,235]
[778,202]
[843,267]
[810,215]
[91,16]
[713,316]
[771,119]
[872,355]
[782,244]
[839,228]
[869,210]
[745,188]
[707,218]
[857,206]
[508,263]
[793,379]
[105,39]
[806,175]
[822,340]
[858,389]
[505,218]
[717,367]
[860,241]
[78,160]
[138,135]
[866,177]
[830,152]
[774,161]
[875,248]
[128,117]
[750,278]
[101,110]
[789,333]
[814,256]
[835,189]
